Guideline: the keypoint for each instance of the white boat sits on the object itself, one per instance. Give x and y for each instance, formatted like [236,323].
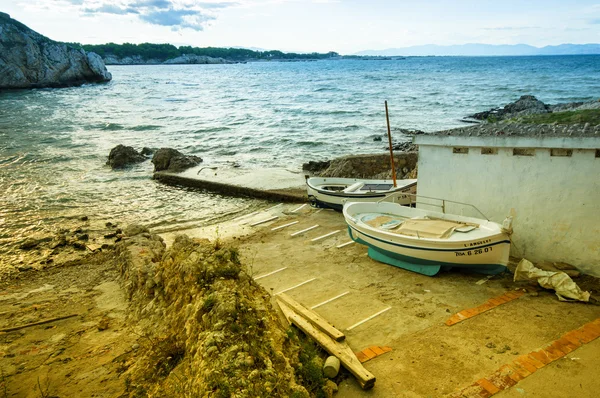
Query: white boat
[426,241]
[333,192]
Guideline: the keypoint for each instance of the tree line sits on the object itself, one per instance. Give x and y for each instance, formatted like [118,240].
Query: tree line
[163,52]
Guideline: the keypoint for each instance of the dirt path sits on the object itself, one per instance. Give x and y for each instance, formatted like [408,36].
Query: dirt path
[77,357]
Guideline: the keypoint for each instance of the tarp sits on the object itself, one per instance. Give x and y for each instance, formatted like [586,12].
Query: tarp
[561,283]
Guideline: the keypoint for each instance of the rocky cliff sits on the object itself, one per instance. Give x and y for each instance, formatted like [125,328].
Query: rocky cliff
[30,60]
[184,59]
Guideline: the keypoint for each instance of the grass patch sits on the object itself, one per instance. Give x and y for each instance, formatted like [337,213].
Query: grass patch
[591,116]
[310,369]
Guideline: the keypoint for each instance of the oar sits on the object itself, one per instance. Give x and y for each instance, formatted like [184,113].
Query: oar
[387,116]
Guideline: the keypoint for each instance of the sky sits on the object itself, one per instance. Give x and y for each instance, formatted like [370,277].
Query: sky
[344,26]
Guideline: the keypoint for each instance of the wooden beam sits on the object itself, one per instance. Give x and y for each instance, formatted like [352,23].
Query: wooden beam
[60,318]
[339,349]
[312,317]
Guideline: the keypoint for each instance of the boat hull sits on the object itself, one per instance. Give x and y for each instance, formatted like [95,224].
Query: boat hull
[489,259]
[327,199]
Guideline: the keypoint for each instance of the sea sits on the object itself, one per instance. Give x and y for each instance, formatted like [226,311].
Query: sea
[54,143]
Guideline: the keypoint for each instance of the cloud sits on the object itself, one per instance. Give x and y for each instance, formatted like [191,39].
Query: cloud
[595,21]
[177,14]
[178,19]
[110,9]
[513,28]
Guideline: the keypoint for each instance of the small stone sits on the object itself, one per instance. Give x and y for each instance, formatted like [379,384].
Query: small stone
[103,324]
[330,388]
[29,244]
[78,245]
[135,346]
[490,345]
[84,218]
[83,237]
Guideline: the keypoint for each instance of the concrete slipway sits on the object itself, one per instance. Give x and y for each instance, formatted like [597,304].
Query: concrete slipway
[377,304]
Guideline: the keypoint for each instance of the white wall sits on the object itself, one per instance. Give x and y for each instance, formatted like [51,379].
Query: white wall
[557,199]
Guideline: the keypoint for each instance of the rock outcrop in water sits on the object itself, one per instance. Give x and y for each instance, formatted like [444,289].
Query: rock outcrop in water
[30,60]
[529,105]
[169,159]
[123,156]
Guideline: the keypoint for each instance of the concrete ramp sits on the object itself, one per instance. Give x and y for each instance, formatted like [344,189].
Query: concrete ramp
[275,184]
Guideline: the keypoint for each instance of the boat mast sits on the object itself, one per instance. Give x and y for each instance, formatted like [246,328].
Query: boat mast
[387,116]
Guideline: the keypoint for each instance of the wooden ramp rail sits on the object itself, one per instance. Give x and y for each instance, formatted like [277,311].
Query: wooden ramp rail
[312,317]
[339,349]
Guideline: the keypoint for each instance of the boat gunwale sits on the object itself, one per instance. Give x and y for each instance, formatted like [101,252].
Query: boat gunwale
[366,194]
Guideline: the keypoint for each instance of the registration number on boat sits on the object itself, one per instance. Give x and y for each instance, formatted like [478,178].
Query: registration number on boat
[473,252]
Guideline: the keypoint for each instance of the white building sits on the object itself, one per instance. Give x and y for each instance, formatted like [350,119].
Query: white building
[553,183]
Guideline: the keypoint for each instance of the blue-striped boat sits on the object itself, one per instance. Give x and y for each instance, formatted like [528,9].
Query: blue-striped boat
[426,241]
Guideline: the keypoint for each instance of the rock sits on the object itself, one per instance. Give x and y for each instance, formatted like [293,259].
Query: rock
[148,151]
[30,60]
[330,388]
[378,138]
[135,229]
[169,159]
[370,166]
[316,166]
[24,268]
[403,147]
[59,241]
[103,324]
[196,59]
[526,105]
[84,218]
[122,156]
[78,245]
[111,59]
[29,244]
[83,237]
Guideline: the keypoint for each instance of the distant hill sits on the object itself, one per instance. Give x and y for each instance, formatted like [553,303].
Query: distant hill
[476,49]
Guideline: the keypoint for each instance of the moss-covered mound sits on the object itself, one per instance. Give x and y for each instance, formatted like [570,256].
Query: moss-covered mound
[591,116]
[210,329]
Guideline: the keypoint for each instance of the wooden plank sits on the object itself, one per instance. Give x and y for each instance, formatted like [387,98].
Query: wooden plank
[339,349]
[313,318]
[60,318]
